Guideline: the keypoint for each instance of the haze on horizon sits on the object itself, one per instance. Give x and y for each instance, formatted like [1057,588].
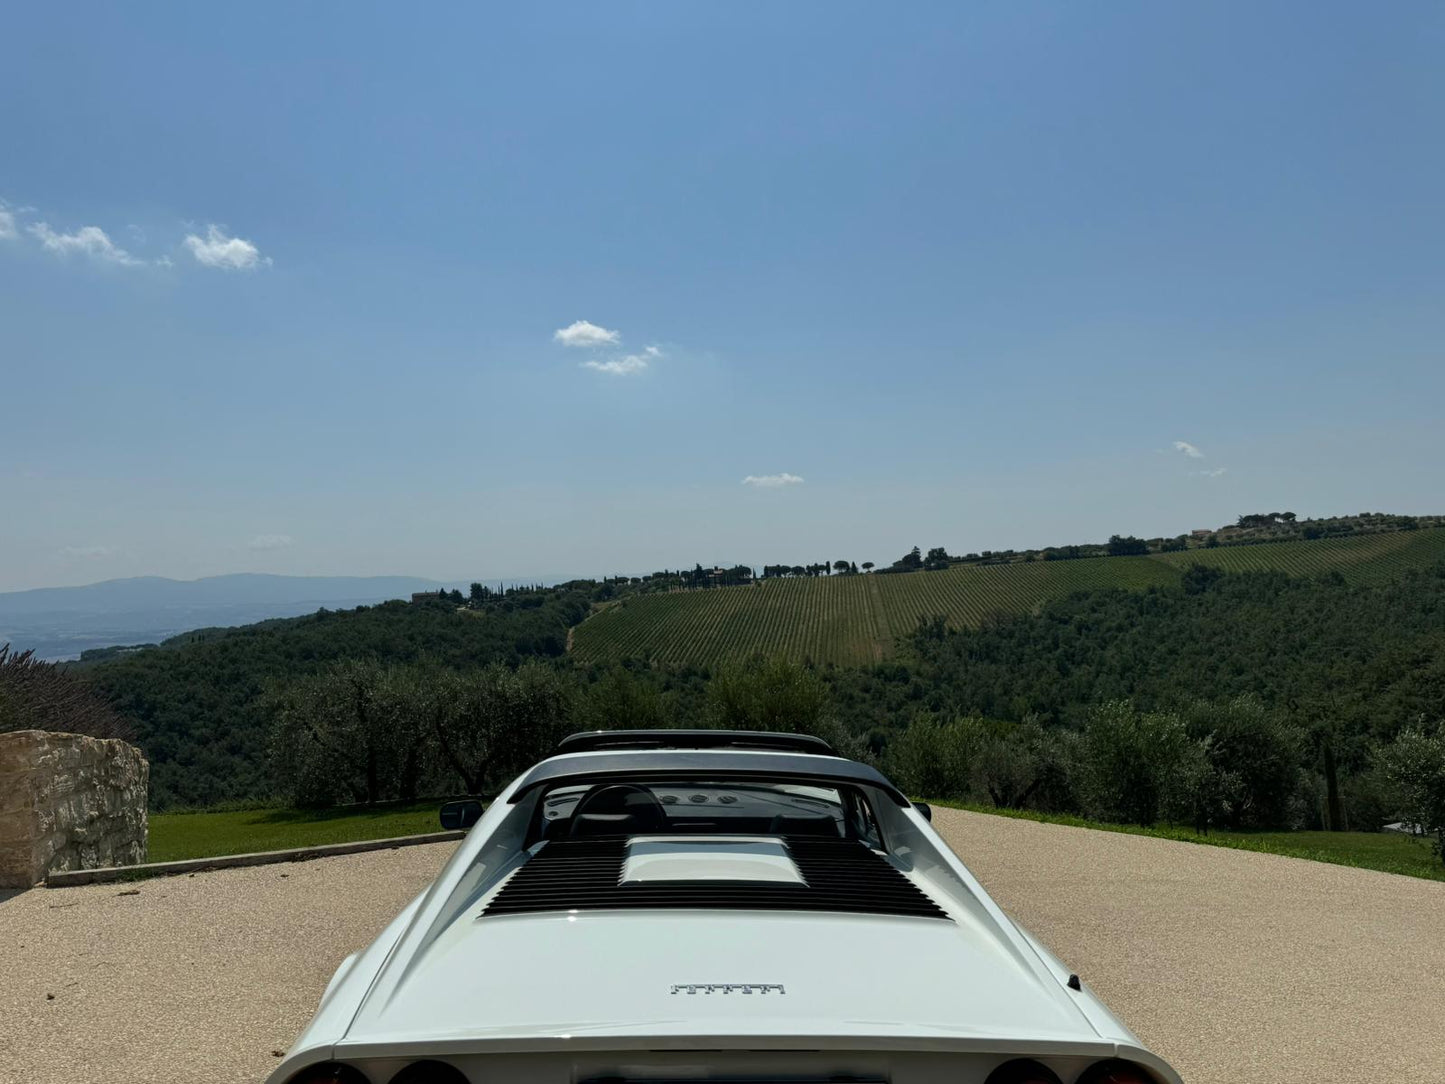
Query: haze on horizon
[346,290]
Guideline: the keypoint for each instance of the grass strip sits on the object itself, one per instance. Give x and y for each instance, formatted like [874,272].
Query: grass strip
[174,836]
[1388,852]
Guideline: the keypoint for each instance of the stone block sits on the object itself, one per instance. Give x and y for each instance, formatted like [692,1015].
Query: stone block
[69,802]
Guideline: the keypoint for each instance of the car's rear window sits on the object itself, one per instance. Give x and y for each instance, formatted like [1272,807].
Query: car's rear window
[700,806]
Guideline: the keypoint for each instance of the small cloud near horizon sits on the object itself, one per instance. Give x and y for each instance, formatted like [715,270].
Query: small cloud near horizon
[587,334]
[85,551]
[225,253]
[1215,473]
[270,542]
[1188,449]
[772,481]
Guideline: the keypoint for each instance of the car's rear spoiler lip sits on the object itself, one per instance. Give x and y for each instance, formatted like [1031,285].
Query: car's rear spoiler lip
[898,1038]
[651,766]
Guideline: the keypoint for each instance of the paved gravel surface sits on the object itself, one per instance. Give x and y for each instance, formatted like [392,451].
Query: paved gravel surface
[1236,966]
[190,978]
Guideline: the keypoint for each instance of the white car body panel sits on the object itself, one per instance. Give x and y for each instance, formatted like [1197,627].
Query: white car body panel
[560,996]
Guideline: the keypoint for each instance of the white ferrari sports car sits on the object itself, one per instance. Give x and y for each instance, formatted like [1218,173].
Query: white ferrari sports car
[707,907]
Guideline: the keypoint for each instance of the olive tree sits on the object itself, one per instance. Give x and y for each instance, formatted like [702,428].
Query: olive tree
[1138,767]
[934,757]
[491,723]
[1251,763]
[1415,761]
[353,732]
[768,694]
[1026,765]
[618,700]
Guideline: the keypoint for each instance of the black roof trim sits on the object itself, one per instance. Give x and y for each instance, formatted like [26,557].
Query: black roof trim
[587,740]
[662,765]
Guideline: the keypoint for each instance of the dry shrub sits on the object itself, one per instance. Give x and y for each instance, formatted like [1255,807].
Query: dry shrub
[36,695]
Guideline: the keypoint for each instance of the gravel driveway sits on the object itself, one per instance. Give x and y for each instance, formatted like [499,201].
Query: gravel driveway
[1235,966]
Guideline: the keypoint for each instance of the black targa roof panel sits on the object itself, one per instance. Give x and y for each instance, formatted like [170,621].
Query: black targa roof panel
[589,740]
[663,765]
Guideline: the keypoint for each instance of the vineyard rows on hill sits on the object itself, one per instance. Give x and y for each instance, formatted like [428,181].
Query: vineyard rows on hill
[1362,559]
[853,620]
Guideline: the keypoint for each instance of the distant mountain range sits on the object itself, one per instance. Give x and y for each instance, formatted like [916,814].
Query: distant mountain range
[61,622]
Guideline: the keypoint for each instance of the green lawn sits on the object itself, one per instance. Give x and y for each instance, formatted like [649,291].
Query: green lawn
[1385,851]
[174,836]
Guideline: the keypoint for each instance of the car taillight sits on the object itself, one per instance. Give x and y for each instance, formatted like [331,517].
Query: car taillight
[328,1072]
[1022,1071]
[1115,1072]
[430,1072]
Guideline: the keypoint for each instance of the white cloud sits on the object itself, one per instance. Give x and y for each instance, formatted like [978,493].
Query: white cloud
[226,253]
[85,551]
[772,481]
[1215,473]
[270,542]
[7,225]
[1188,449]
[582,333]
[624,366]
[628,364]
[89,240]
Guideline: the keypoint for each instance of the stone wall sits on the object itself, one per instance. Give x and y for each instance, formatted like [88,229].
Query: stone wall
[68,802]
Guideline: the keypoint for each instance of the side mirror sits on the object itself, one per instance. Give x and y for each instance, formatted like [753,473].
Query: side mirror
[925,810]
[461,815]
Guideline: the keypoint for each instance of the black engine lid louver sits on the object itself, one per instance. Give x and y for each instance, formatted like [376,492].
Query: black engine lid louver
[585,874]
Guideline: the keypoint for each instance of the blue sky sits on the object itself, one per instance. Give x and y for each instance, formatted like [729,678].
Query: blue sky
[951,274]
